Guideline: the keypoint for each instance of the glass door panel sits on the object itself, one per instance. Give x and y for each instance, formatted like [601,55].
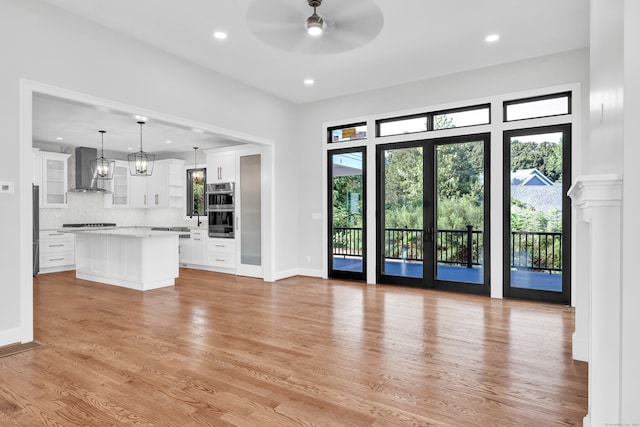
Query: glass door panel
[460,212]
[347,218]
[402,230]
[537,213]
[433,204]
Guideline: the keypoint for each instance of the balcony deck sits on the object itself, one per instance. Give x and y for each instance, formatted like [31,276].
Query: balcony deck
[520,278]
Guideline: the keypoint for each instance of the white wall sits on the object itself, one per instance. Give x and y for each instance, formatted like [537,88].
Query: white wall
[630,410]
[553,70]
[44,44]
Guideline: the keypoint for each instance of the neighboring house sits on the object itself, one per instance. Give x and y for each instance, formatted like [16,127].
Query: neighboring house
[527,177]
[534,189]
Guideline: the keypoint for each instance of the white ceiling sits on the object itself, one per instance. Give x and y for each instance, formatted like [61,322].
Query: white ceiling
[77,125]
[418,39]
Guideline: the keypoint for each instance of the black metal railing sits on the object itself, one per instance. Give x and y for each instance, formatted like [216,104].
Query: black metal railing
[535,251]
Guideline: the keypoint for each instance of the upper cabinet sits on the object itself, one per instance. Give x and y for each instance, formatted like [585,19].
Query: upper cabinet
[54,179]
[221,167]
[165,188]
[118,187]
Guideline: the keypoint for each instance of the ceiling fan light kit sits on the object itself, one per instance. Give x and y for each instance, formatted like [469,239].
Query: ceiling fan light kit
[314,22]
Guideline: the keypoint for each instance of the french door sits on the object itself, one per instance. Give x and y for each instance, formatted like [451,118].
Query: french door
[347,213]
[433,213]
[537,213]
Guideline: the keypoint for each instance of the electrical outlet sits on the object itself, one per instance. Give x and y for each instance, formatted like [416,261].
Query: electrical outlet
[7,187]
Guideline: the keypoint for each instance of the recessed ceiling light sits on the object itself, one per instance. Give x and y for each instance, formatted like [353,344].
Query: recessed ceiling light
[168,141]
[196,130]
[220,35]
[129,148]
[309,82]
[492,38]
[59,138]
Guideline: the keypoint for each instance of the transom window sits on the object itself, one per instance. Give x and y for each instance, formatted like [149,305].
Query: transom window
[536,107]
[435,120]
[347,132]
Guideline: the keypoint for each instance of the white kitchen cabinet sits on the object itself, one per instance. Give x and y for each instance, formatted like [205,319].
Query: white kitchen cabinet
[221,167]
[221,253]
[57,251]
[137,191]
[54,179]
[193,251]
[164,188]
[118,186]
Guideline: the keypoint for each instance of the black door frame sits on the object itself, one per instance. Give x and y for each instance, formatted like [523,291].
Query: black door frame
[429,168]
[343,274]
[563,297]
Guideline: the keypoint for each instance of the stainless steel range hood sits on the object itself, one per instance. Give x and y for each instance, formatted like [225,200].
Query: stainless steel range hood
[85,181]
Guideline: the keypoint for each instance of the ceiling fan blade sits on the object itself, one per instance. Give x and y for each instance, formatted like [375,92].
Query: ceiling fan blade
[282,24]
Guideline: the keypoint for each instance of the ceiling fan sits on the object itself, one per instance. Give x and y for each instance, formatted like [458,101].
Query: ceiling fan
[334,26]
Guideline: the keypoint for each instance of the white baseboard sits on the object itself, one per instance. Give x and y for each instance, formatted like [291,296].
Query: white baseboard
[311,272]
[586,421]
[579,348]
[279,275]
[10,336]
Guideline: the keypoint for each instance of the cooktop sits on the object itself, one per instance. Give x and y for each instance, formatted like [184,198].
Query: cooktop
[91,224]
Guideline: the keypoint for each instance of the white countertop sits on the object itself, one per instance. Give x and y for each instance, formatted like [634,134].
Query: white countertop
[126,232]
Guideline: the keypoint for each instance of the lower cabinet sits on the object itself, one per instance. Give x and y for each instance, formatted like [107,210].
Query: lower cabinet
[205,253]
[222,253]
[57,251]
[193,251]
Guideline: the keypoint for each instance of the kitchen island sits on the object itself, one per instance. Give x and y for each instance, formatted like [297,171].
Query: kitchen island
[135,258]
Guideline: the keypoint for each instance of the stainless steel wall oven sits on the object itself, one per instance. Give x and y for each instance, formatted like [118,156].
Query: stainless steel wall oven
[221,209]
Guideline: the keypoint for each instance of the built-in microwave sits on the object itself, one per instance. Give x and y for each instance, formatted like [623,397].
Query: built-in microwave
[220,196]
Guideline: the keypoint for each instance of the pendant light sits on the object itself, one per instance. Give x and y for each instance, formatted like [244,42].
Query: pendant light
[197,173]
[102,168]
[141,163]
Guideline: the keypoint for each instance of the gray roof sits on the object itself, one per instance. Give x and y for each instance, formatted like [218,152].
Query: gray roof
[542,198]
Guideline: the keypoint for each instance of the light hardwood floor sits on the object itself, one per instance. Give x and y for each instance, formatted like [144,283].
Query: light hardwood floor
[224,350]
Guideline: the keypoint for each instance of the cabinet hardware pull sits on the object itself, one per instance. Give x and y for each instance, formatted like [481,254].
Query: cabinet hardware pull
[218,259]
[156,199]
[56,259]
[56,234]
[55,246]
[145,199]
[65,197]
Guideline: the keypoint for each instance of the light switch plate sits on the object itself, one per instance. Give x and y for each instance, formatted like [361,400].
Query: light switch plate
[7,187]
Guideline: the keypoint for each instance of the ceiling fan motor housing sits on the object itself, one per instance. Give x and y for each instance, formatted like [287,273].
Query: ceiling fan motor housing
[314,3]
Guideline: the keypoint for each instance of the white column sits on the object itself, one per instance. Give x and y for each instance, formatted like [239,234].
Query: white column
[599,200]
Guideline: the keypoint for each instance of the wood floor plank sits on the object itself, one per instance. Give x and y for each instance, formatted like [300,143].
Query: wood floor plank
[233,351]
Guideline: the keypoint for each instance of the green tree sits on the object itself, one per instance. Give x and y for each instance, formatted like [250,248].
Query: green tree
[544,156]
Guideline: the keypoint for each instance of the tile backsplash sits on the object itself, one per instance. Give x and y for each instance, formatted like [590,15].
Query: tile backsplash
[89,207]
